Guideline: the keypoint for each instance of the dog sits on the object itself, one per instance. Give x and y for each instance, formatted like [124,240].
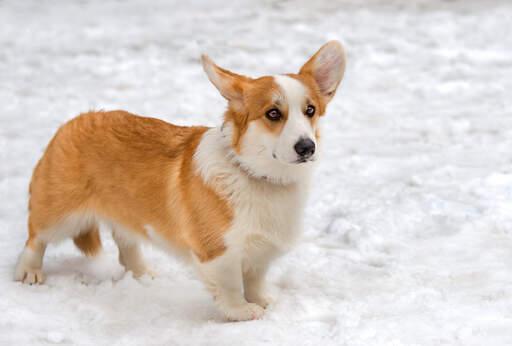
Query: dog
[230,198]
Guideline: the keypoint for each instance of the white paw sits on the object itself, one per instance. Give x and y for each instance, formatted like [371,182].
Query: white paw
[28,269]
[29,275]
[263,299]
[244,312]
[146,271]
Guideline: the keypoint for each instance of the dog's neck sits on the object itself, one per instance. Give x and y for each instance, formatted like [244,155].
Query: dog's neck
[244,167]
[251,175]
[216,159]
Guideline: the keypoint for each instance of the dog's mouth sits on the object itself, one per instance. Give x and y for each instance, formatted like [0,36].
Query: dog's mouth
[304,160]
[299,161]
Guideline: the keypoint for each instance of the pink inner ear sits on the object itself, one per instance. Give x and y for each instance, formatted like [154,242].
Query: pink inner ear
[328,70]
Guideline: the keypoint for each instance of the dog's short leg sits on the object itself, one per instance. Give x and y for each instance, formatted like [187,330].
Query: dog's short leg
[130,256]
[29,267]
[255,288]
[223,277]
[259,254]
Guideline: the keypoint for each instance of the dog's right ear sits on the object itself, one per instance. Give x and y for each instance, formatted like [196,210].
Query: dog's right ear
[229,84]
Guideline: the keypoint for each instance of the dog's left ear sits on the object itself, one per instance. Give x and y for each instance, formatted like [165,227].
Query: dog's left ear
[327,67]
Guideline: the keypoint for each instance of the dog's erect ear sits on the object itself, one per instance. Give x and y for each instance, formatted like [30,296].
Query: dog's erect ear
[229,84]
[327,67]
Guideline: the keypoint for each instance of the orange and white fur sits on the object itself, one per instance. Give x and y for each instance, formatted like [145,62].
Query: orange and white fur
[231,198]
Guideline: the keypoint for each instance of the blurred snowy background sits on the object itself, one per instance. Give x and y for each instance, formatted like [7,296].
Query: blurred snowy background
[408,237]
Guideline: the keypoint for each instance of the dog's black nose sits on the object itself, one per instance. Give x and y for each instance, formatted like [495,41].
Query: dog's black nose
[305,147]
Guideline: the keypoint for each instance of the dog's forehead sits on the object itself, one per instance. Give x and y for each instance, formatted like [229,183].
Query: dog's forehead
[279,89]
[291,90]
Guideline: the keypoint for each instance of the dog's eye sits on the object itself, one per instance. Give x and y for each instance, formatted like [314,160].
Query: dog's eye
[310,111]
[273,114]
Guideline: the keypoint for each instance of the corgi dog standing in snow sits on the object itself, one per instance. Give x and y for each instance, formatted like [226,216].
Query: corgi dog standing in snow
[231,198]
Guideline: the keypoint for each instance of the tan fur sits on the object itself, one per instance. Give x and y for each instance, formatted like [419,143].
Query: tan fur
[132,171]
[257,100]
[89,242]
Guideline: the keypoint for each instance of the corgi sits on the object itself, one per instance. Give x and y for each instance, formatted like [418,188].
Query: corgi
[230,198]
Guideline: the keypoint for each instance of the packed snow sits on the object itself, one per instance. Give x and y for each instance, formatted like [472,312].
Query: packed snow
[408,230]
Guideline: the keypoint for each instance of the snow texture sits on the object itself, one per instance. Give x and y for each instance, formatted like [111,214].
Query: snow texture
[408,231]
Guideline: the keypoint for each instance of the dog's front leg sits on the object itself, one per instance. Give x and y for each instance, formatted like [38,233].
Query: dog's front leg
[223,277]
[259,253]
[255,288]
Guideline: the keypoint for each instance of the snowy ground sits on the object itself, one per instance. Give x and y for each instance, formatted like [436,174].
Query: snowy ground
[408,237]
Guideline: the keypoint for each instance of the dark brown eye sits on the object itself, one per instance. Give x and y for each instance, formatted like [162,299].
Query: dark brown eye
[273,114]
[310,111]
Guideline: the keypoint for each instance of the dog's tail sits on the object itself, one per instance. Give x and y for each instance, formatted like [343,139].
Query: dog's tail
[89,242]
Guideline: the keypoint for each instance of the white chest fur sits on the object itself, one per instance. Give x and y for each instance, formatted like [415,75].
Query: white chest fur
[266,214]
[269,213]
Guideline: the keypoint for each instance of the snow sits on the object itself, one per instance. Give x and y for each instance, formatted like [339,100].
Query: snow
[408,231]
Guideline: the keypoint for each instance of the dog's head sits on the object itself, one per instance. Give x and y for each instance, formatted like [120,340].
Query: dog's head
[273,121]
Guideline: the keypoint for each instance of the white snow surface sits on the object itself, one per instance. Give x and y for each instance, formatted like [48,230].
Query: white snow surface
[408,231]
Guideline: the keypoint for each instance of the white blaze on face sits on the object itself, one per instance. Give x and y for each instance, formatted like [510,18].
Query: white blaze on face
[297,125]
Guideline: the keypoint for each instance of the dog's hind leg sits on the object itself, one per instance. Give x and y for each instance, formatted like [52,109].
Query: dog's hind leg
[130,255]
[29,267]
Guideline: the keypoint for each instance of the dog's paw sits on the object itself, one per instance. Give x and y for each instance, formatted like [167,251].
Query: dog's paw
[151,273]
[263,299]
[245,312]
[146,271]
[29,275]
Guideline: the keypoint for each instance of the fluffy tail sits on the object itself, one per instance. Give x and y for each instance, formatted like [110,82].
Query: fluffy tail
[89,242]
